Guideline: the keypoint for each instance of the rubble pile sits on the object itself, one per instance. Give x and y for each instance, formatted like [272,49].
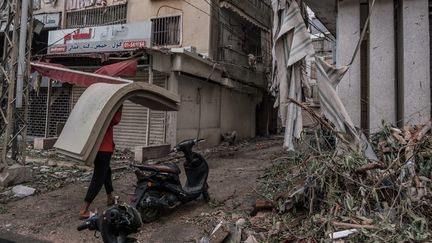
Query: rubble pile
[329,195]
[47,177]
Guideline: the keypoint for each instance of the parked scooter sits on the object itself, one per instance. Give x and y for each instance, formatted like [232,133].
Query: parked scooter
[115,224]
[159,188]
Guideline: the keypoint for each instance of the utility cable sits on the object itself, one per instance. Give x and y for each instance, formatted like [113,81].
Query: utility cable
[366,25]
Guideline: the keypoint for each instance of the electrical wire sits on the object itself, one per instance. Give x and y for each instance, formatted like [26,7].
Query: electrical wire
[325,35]
[196,7]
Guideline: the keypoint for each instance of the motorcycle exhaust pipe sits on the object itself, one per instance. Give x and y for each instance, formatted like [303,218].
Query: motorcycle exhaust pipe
[157,203]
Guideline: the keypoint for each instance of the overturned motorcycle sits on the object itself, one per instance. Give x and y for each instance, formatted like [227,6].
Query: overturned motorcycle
[115,224]
[159,188]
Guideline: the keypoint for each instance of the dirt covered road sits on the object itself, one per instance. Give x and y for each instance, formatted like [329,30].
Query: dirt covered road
[52,216]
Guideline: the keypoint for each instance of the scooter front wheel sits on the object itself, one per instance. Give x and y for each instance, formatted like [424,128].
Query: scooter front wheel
[149,213]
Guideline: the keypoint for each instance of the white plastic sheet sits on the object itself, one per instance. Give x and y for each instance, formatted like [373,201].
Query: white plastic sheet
[292,43]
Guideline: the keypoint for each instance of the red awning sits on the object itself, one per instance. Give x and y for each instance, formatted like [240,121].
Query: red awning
[106,74]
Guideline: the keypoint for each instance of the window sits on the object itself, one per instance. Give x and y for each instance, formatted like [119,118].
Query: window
[110,15]
[166,31]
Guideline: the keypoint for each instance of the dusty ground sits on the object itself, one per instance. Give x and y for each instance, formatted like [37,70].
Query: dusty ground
[52,216]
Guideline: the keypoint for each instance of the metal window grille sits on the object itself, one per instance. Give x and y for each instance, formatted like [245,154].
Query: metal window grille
[166,31]
[116,14]
[60,108]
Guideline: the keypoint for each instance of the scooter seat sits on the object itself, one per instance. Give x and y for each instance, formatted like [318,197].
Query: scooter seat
[167,168]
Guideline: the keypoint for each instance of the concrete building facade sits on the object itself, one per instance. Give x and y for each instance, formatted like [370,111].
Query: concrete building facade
[390,77]
[214,54]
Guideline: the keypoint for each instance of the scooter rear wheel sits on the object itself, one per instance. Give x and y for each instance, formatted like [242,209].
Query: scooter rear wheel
[150,213]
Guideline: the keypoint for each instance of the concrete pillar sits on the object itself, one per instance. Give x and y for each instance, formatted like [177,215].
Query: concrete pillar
[382,65]
[348,35]
[171,129]
[416,50]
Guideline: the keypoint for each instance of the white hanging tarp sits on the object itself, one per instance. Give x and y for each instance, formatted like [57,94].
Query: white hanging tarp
[292,43]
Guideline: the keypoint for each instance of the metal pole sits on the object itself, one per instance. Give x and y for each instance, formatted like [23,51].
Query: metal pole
[27,85]
[48,109]
[11,88]
[22,54]
[148,109]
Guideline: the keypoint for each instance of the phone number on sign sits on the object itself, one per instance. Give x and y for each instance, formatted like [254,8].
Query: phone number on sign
[134,44]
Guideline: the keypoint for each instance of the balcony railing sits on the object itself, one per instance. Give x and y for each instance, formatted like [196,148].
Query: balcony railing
[116,14]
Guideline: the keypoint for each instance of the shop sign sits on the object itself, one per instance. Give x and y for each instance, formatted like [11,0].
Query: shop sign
[111,38]
[50,20]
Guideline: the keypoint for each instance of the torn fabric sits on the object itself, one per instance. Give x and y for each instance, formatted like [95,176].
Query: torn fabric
[328,77]
[292,43]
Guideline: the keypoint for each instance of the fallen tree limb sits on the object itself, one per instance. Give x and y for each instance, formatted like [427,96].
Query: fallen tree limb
[327,125]
[353,226]
[370,166]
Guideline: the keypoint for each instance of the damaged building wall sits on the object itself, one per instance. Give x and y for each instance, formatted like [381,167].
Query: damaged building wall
[200,109]
[416,75]
[222,110]
[194,30]
[195,23]
[238,113]
[398,70]
[348,34]
[382,54]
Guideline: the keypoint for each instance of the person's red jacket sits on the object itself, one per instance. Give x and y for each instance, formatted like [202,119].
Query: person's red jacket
[108,140]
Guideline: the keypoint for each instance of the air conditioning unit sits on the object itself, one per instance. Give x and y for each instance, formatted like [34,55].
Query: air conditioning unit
[191,49]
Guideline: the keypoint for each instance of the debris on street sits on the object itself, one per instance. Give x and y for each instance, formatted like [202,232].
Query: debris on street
[22,191]
[229,138]
[52,171]
[345,195]
[327,194]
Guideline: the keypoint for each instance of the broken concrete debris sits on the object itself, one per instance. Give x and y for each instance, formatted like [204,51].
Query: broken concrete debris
[229,138]
[47,175]
[82,146]
[219,233]
[15,174]
[23,191]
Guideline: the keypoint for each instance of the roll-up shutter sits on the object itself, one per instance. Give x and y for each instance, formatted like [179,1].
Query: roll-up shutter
[131,131]
[158,118]
[76,93]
